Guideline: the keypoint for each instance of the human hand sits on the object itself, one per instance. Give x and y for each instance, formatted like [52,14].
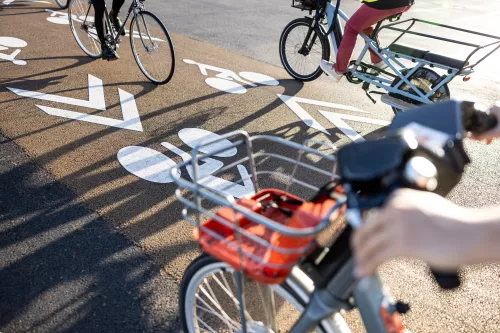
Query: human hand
[416,224]
[492,134]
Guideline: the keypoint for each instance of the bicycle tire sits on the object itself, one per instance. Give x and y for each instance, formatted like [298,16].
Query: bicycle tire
[424,79]
[168,40]
[63,4]
[325,49]
[191,275]
[73,28]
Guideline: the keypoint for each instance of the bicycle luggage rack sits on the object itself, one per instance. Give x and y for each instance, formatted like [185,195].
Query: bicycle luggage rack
[253,234]
[308,5]
[433,59]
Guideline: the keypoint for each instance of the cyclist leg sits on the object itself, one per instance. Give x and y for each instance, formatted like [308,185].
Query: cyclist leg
[106,51]
[99,6]
[362,20]
[113,15]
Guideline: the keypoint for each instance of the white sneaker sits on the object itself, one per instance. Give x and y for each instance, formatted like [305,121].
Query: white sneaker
[380,65]
[327,67]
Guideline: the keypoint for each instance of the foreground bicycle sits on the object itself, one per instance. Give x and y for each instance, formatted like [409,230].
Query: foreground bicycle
[149,39]
[276,262]
[63,4]
[411,78]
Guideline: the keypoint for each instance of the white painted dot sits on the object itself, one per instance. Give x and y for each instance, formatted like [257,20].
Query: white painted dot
[147,164]
[86,18]
[12,42]
[192,136]
[259,78]
[58,20]
[225,85]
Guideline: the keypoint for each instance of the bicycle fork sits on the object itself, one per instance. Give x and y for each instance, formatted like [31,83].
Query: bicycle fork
[379,312]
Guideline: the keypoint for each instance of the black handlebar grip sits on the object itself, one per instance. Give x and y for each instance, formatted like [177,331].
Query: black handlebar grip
[448,281]
[477,121]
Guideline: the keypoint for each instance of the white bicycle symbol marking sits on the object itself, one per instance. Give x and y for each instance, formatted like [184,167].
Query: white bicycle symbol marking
[11,42]
[225,79]
[153,166]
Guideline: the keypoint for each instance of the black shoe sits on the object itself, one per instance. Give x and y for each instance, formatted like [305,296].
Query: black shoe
[108,53]
[115,21]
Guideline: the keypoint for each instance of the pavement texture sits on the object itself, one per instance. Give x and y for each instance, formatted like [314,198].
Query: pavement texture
[64,269]
[82,157]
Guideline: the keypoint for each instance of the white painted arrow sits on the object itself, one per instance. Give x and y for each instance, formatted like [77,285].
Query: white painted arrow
[337,119]
[130,121]
[95,101]
[293,103]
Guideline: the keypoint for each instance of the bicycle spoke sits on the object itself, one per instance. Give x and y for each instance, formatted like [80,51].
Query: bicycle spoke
[152,47]
[223,316]
[215,301]
[83,27]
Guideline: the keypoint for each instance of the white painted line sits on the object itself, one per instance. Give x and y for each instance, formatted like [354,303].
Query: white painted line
[346,129]
[95,101]
[131,119]
[193,136]
[147,164]
[123,124]
[357,118]
[324,104]
[337,119]
[290,101]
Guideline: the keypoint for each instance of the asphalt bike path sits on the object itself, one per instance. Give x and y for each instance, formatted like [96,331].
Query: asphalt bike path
[63,269]
[107,134]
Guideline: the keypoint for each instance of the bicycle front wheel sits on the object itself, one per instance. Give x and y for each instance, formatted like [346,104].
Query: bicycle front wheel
[63,4]
[152,47]
[209,302]
[302,63]
[81,21]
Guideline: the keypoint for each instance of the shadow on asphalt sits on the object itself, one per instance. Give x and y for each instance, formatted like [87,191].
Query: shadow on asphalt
[69,263]
[63,269]
[79,61]
[110,277]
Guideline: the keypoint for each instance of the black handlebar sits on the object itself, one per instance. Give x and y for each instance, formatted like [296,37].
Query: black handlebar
[388,157]
[476,120]
[447,281]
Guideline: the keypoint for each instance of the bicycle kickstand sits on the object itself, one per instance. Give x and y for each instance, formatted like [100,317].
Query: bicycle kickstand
[366,86]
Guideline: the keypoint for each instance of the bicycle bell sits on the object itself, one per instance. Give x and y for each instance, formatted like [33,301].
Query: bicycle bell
[421,173]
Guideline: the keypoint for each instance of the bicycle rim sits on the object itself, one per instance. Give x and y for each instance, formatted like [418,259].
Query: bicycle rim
[424,80]
[303,67]
[81,19]
[209,302]
[63,4]
[152,47]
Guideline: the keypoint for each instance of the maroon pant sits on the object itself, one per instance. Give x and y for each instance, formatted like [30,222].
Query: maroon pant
[362,20]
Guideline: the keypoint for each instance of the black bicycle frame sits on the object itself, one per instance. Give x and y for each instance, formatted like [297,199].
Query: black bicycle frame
[320,12]
[133,5]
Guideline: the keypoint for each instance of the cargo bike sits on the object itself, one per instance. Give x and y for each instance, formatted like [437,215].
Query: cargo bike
[413,76]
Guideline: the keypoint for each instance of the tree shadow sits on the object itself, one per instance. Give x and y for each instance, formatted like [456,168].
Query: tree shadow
[80,60]
[73,272]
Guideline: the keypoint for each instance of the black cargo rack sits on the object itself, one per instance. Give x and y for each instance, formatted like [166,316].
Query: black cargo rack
[309,5]
[495,44]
